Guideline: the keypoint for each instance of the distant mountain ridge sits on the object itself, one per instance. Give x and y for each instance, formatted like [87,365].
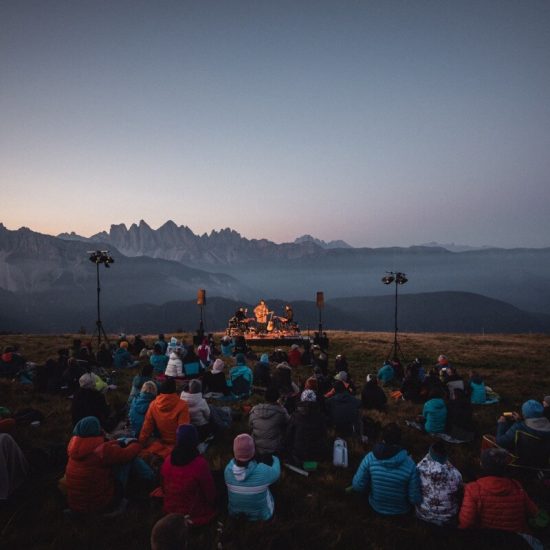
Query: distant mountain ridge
[322,244]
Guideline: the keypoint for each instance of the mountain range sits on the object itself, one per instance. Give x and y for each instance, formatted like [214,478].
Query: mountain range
[48,284]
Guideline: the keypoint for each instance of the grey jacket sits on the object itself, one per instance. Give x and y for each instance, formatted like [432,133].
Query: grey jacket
[268,423]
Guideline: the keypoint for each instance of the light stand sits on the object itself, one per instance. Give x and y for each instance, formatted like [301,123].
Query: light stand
[201,302]
[100,257]
[399,279]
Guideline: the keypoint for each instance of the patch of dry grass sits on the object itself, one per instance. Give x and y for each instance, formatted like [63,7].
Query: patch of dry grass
[310,512]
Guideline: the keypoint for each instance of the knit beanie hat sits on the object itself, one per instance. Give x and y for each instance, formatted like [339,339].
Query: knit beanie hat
[311,384]
[308,395]
[243,448]
[532,409]
[87,427]
[195,386]
[494,461]
[124,344]
[240,359]
[186,435]
[218,366]
[168,386]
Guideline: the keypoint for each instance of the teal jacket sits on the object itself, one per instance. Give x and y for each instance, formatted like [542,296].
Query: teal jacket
[479,394]
[386,373]
[390,477]
[435,413]
[248,489]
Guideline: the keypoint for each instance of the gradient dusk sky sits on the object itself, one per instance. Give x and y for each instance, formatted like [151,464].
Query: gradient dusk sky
[381,123]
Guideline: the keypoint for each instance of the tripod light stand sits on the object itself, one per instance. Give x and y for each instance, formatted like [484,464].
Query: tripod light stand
[100,257]
[399,279]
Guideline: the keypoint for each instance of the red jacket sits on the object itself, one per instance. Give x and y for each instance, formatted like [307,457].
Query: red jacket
[496,503]
[165,413]
[89,475]
[189,490]
[294,358]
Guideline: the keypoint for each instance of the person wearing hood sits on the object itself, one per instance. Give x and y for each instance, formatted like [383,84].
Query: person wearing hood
[186,481]
[140,405]
[262,374]
[174,367]
[122,358]
[306,435]
[434,413]
[386,373]
[441,486]
[163,416]
[90,477]
[214,383]
[389,476]
[199,411]
[495,501]
[240,378]
[158,359]
[372,395]
[248,481]
[88,401]
[268,422]
[534,424]
[344,411]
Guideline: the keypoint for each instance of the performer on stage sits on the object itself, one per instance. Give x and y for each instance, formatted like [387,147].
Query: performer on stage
[261,311]
[289,314]
[240,314]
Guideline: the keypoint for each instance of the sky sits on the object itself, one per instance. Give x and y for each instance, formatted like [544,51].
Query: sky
[382,123]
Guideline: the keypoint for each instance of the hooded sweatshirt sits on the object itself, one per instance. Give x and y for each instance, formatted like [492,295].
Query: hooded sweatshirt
[435,413]
[389,475]
[268,422]
[165,413]
[496,503]
[138,409]
[199,411]
[248,488]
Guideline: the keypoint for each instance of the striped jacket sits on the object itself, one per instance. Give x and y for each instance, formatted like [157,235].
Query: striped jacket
[389,475]
[248,488]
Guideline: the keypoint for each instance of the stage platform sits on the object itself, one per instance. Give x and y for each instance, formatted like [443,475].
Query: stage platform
[275,339]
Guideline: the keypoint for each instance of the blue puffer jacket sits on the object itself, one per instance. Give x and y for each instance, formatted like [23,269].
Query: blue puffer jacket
[389,475]
[478,395]
[435,413]
[236,372]
[138,408]
[248,489]
[122,358]
[386,373]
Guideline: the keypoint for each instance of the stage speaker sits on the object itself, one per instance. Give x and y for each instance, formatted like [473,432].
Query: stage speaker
[201,297]
[320,299]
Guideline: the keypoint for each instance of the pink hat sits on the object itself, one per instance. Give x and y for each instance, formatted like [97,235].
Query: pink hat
[243,448]
[218,366]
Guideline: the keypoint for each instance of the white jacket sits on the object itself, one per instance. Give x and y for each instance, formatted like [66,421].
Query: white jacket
[174,366]
[440,485]
[199,411]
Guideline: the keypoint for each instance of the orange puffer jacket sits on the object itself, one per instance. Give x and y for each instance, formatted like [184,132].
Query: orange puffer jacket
[89,475]
[496,503]
[165,413]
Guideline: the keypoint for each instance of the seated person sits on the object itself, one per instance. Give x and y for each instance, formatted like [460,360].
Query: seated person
[162,343]
[138,381]
[372,395]
[214,383]
[268,422]
[186,481]
[13,466]
[434,413]
[262,373]
[227,345]
[159,359]
[306,435]
[460,422]
[494,501]
[171,532]
[386,373]
[431,382]
[204,352]
[282,380]
[163,416]
[90,478]
[140,406]
[138,345]
[344,411]
[122,358]
[537,429]
[389,476]
[340,363]
[199,411]
[441,487]
[344,378]
[410,387]
[478,394]
[442,363]
[191,363]
[88,401]
[294,356]
[248,482]
[240,378]
[11,362]
[453,381]
[174,367]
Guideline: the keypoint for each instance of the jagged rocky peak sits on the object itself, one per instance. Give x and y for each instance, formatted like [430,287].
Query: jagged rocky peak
[323,244]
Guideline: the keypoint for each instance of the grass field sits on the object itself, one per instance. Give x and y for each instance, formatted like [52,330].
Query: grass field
[313,512]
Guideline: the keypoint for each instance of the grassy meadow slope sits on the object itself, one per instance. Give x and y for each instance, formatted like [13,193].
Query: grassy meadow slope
[312,512]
